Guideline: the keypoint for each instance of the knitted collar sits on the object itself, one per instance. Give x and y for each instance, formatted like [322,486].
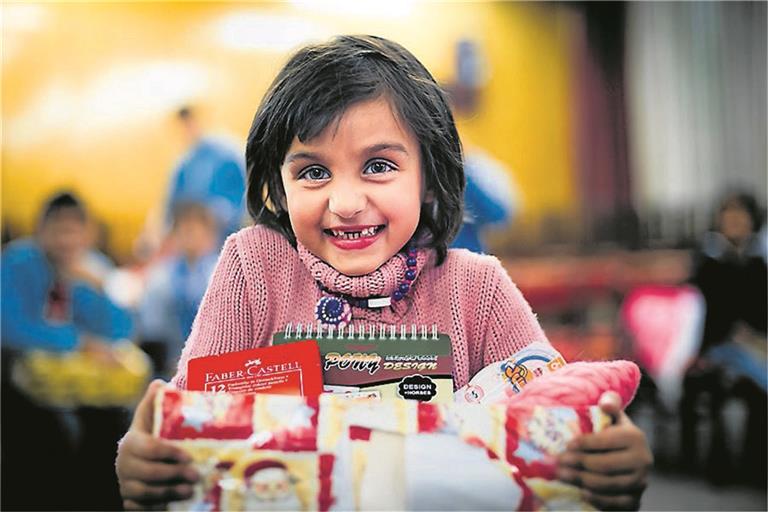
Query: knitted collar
[381,282]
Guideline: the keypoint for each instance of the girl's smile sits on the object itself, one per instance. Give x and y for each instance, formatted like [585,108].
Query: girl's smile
[354,192]
[354,237]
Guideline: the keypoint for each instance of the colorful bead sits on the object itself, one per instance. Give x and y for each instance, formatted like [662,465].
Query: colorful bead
[410,275]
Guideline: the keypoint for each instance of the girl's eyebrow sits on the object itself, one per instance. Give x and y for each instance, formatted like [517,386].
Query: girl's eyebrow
[301,155]
[375,148]
[385,146]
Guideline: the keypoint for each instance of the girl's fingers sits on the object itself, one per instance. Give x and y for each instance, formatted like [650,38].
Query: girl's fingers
[159,472]
[144,446]
[132,505]
[569,475]
[140,492]
[142,418]
[603,484]
[135,505]
[611,502]
[610,404]
[607,440]
[612,463]
[616,437]
[151,471]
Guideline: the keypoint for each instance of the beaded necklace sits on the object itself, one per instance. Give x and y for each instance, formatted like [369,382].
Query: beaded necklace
[336,308]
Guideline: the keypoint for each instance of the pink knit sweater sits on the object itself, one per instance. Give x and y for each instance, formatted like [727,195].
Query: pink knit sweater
[261,284]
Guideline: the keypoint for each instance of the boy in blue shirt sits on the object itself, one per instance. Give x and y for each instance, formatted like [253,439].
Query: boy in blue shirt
[51,302]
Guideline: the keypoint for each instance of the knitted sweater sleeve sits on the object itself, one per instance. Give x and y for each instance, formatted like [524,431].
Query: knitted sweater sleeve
[224,320]
[511,323]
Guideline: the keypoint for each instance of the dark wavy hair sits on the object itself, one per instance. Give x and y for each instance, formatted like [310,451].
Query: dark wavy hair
[63,201]
[317,85]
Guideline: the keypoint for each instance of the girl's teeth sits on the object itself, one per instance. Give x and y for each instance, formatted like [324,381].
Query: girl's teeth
[354,235]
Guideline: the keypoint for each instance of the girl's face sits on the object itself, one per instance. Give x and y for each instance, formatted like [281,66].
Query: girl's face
[354,192]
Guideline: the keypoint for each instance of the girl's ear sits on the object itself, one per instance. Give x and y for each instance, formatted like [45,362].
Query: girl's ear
[429,197]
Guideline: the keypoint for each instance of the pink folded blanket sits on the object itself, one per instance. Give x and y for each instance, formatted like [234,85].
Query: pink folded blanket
[580,383]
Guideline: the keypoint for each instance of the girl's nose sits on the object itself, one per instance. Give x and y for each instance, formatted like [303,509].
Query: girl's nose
[346,203]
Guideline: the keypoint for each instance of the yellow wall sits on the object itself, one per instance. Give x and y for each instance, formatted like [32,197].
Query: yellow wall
[524,118]
[89,90]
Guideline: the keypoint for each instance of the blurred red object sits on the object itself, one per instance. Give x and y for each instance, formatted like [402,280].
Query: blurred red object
[552,283]
[664,324]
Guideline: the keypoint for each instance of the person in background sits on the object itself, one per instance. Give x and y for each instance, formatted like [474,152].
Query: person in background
[97,259]
[730,271]
[490,199]
[7,232]
[51,302]
[175,286]
[50,299]
[211,172]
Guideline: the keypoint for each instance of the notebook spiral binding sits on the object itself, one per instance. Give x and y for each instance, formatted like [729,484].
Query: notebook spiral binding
[372,332]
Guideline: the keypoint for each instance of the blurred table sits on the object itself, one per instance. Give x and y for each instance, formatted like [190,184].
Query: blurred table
[577,297]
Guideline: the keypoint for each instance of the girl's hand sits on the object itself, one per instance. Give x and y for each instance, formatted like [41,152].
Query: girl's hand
[610,466]
[151,471]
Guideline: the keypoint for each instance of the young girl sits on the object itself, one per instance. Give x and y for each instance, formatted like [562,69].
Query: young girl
[355,181]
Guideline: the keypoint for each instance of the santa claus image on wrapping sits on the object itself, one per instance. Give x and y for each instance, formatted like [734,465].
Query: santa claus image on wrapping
[270,486]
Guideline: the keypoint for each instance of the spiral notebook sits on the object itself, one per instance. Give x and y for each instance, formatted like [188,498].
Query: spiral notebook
[378,361]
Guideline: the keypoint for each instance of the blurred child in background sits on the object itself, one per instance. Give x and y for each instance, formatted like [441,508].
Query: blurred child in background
[730,270]
[50,299]
[52,302]
[490,199]
[175,286]
[211,172]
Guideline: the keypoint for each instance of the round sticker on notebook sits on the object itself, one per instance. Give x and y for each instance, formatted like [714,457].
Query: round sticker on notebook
[529,363]
[497,381]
